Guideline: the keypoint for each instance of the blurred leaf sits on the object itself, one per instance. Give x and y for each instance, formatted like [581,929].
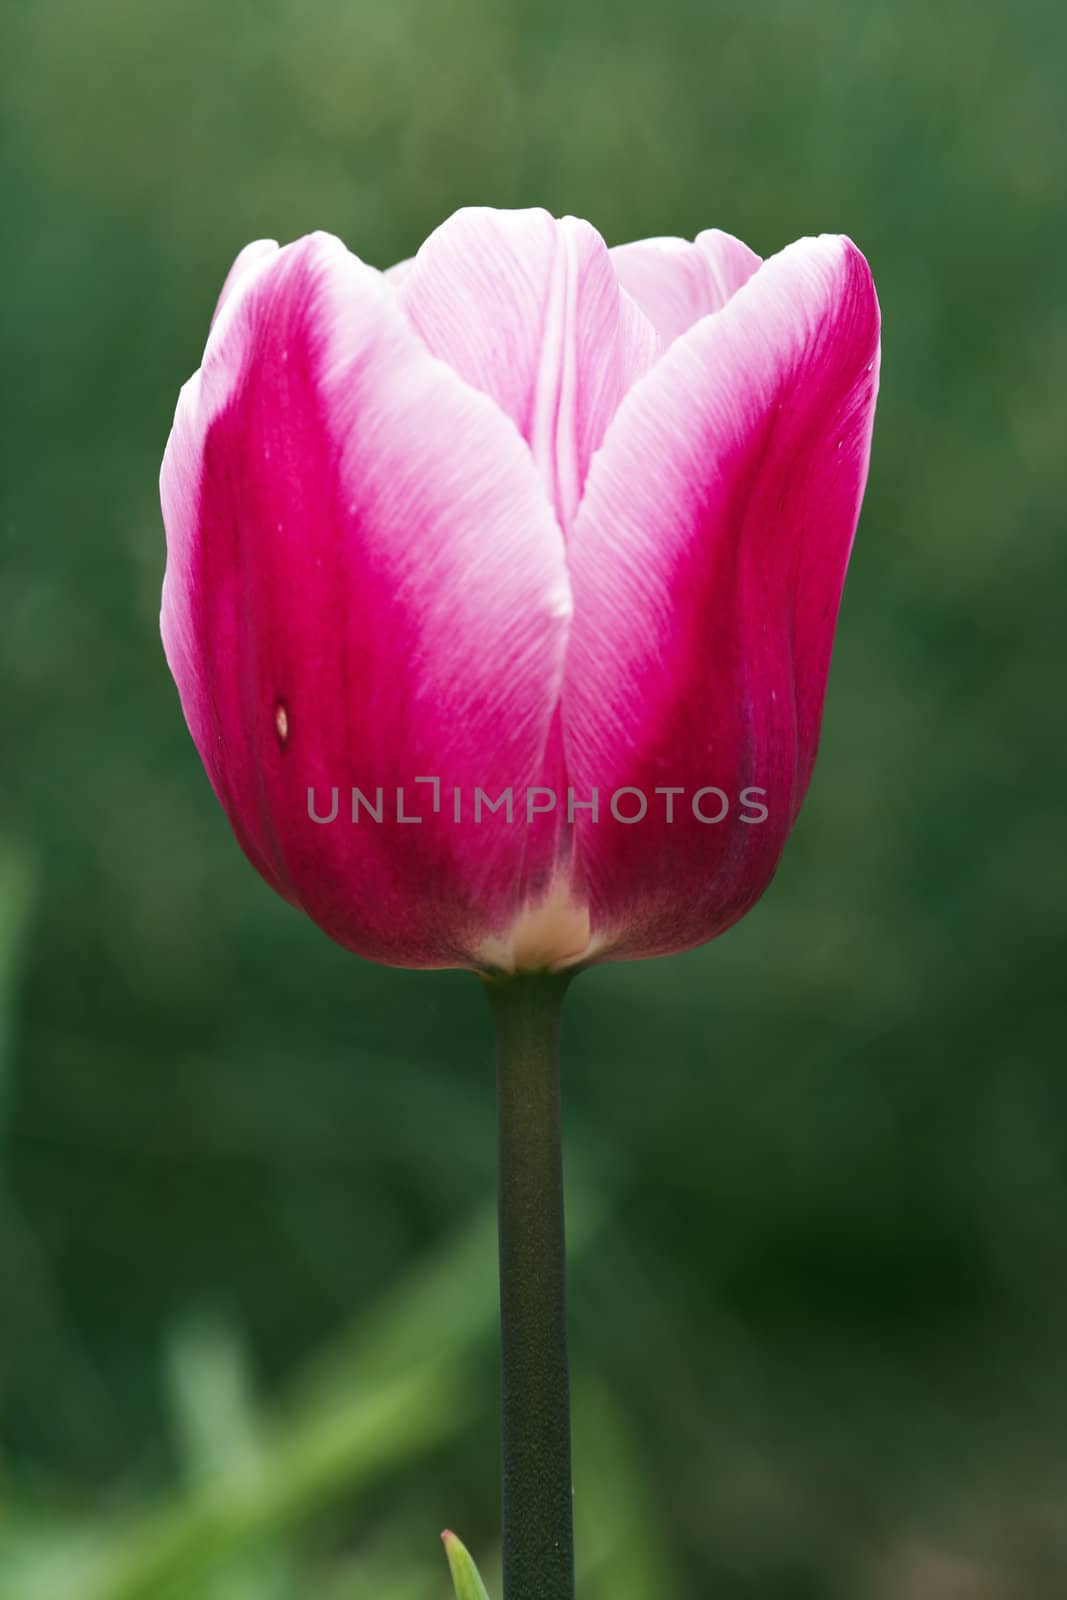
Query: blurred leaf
[307,1464]
[211,1392]
[218,1431]
[622,1552]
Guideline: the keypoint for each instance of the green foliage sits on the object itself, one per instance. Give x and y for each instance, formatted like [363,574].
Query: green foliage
[468,1584]
[246,1240]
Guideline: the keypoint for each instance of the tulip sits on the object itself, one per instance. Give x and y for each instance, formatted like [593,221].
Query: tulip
[500,596]
[524,515]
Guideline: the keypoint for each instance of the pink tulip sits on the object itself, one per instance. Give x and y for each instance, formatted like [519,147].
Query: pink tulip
[522,514]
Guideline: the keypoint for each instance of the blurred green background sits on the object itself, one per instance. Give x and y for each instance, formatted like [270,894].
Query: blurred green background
[818,1170]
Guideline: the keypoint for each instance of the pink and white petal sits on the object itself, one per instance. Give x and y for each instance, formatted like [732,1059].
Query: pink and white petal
[528,309]
[707,564]
[365,586]
[398,271]
[248,260]
[730,263]
[676,282]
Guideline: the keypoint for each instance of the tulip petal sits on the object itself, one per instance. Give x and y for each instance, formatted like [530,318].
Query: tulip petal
[528,309]
[676,282]
[707,563]
[247,261]
[398,271]
[365,586]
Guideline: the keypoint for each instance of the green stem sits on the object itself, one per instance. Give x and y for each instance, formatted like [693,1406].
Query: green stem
[538,1537]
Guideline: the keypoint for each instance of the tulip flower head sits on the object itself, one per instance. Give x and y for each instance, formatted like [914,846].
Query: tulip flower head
[501,586]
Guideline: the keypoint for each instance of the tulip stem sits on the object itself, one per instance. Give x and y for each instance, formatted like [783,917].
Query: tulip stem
[538,1537]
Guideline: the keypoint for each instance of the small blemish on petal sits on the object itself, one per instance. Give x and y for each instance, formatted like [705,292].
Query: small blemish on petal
[281,722]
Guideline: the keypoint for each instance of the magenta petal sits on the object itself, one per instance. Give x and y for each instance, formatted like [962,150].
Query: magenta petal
[365,586]
[707,562]
[676,282]
[528,309]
